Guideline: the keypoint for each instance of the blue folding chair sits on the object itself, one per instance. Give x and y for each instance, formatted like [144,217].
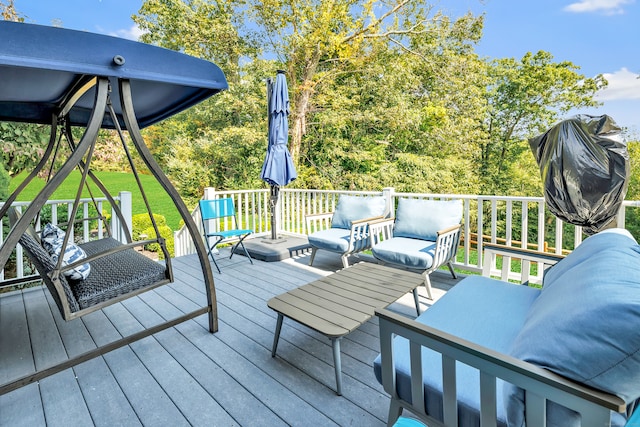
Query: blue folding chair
[220,223]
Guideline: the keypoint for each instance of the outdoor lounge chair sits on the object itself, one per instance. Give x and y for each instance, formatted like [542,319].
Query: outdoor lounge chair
[348,232]
[220,223]
[424,236]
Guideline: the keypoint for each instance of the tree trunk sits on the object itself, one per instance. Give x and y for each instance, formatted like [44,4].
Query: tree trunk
[302,104]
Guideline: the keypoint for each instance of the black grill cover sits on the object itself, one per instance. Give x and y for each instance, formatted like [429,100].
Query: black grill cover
[584,165]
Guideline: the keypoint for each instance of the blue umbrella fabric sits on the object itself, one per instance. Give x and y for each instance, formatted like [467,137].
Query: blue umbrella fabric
[278,169]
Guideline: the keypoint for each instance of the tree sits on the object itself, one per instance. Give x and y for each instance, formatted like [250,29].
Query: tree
[320,40]
[22,145]
[405,117]
[524,99]
[9,13]
[382,94]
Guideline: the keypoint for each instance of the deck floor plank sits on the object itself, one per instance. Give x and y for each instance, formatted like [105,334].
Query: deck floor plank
[69,411]
[186,375]
[105,399]
[46,342]
[15,346]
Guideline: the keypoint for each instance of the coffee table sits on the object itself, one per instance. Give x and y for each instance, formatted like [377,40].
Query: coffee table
[338,304]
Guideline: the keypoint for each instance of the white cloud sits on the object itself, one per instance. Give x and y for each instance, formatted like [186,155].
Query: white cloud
[609,7]
[132,33]
[623,85]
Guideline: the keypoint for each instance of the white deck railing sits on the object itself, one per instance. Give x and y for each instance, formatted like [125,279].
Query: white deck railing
[515,221]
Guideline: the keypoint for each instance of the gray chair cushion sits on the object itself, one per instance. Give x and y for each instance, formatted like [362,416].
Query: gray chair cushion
[353,208]
[422,219]
[116,274]
[333,240]
[412,253]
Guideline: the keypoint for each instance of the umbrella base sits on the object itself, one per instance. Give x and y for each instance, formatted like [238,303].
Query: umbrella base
[270,250]
[276,241]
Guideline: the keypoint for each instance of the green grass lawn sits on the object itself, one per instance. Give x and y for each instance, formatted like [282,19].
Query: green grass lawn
[115,182]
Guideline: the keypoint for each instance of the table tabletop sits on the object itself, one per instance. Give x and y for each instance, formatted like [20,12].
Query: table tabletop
[341,302]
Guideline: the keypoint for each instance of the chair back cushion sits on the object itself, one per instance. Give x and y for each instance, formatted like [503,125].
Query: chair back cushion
[584,325]
[353,208]
[422,219]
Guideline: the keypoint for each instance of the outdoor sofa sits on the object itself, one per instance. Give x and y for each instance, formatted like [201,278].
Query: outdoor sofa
[502,353]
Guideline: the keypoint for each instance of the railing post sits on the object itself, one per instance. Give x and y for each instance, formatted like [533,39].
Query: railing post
[621,217]
[388,192]
[209,193]
[127,213]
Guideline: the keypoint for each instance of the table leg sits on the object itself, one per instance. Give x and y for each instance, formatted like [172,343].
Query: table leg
[337,364]
[417,300]
[276,336]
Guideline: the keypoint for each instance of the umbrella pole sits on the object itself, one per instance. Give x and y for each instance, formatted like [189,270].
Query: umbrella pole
[273,200]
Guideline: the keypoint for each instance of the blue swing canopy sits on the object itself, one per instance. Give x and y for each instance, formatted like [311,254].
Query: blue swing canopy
[39,64]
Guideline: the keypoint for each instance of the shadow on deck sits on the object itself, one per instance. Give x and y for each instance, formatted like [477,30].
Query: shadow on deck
[185,375]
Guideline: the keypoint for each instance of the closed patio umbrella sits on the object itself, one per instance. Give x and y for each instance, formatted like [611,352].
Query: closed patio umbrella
[278,169]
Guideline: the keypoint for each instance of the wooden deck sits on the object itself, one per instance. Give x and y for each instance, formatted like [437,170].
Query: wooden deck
[185,375]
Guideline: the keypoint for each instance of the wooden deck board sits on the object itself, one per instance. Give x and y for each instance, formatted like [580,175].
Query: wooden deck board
[185,375]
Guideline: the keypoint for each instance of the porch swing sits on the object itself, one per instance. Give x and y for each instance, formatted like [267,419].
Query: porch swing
[70,78]
[115,271]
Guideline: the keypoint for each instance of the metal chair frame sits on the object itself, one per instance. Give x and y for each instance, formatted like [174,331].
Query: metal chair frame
[218,211]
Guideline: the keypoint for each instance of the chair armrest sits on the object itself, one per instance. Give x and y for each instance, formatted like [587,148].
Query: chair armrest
[359,236]
[316,216]
[527,256]
[319,221]
[449,230]
[447,242]
[380,229]
[365,220]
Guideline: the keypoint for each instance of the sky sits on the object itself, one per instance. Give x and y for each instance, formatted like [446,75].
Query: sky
[599,36]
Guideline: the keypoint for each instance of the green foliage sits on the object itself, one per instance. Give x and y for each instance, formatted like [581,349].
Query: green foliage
[143,230]
[167,234]
[525,98]
[141,223]
[8,12]
[5,179]
[383,94]
[23,145]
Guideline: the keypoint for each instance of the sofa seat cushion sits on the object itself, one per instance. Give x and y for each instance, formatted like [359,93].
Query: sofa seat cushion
[584,325]
[353,208]
[332,239]
[484,311]
[411,253]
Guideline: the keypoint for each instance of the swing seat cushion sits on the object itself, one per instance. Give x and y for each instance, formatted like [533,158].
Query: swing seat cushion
[53,240]
[116,274]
